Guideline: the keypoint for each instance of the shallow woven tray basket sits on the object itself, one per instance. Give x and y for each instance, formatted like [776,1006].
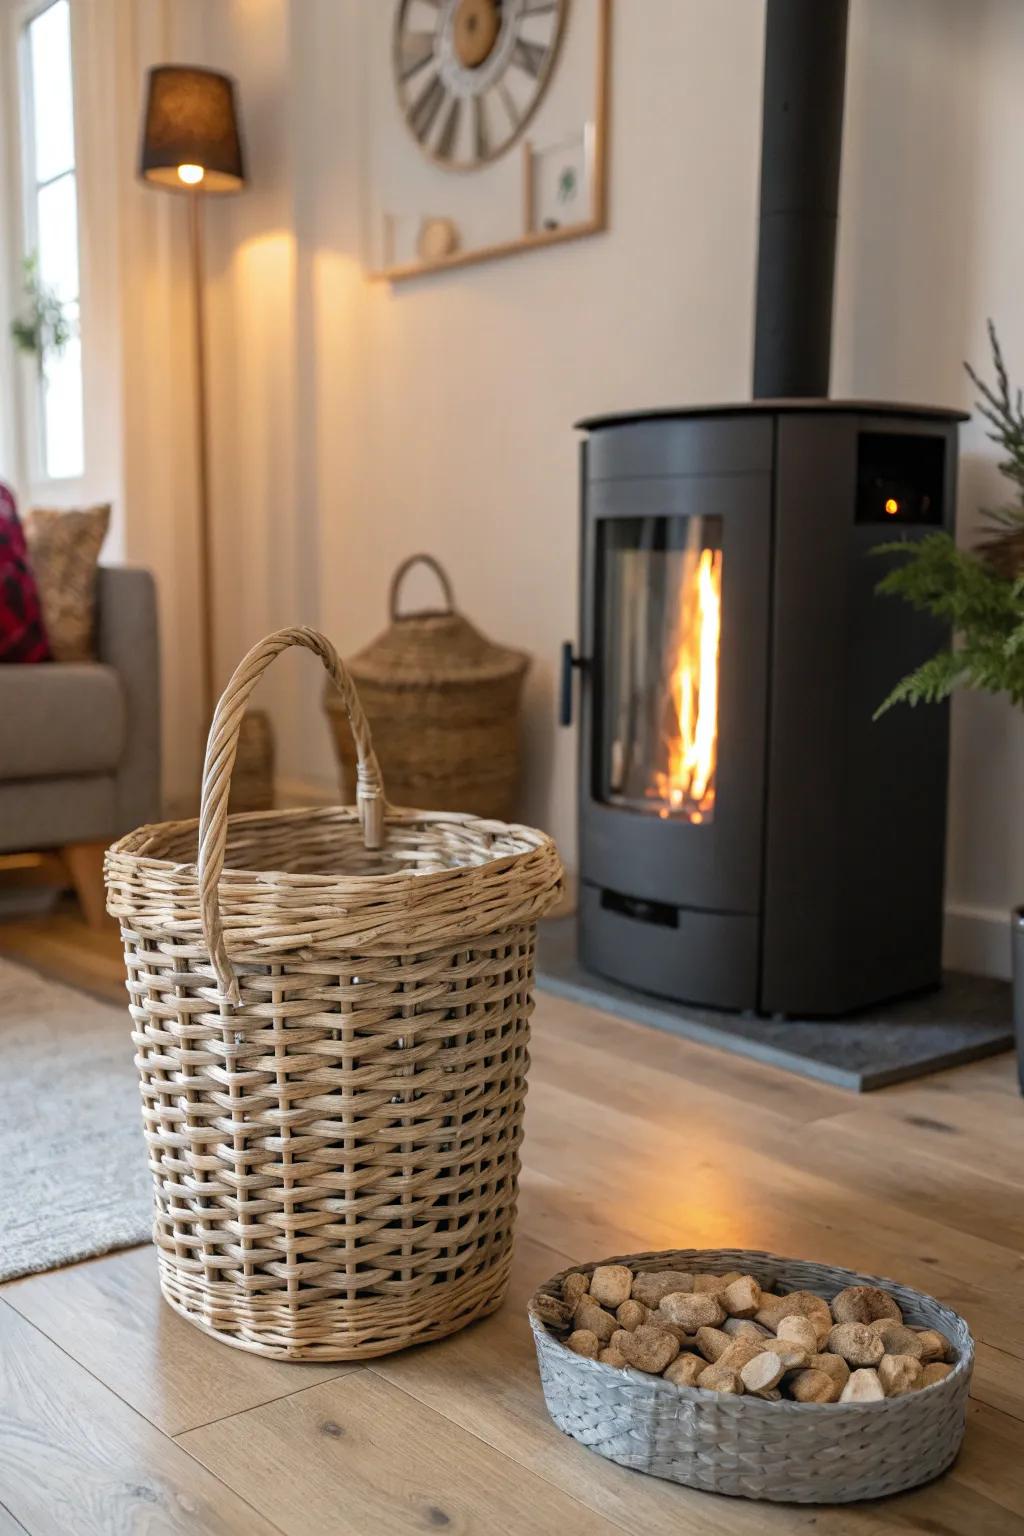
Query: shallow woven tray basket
[443,704]
[331,1010]
[806,1453]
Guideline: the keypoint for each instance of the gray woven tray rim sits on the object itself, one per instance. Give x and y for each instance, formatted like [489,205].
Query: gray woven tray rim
[833,1418]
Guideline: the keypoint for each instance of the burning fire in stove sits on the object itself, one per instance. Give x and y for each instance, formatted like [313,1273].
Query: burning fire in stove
[687,784]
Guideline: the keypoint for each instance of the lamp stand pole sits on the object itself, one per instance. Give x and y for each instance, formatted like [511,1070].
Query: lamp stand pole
[195,230]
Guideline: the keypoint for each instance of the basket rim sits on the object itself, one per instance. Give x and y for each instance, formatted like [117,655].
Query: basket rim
[130,843]
[748,1402]
[399,911]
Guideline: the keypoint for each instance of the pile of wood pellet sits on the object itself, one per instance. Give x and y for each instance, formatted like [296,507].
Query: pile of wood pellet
[723,1333]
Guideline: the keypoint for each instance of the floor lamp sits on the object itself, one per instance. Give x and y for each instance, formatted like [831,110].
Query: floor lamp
[191,144]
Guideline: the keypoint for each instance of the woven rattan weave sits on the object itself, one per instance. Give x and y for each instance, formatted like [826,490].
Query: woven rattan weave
[331,1012]
[443,704]
[808,1453]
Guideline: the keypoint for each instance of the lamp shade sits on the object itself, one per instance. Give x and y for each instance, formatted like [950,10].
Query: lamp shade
[190,134]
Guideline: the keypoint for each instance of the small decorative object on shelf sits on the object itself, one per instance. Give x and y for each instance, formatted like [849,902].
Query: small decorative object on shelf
[437,238]
[979,595]
[747,1374]
[443,704]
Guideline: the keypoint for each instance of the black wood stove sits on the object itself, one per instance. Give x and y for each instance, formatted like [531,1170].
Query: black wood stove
[750,837]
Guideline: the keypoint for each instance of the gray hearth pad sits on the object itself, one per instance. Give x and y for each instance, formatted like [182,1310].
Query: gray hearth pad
[968,1017]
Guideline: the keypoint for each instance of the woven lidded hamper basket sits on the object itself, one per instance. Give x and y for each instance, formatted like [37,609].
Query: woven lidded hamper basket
[331,1011]
[443,705]
[252,782]
[807,1453]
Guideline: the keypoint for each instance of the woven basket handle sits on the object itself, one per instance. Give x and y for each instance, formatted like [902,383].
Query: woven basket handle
[403,570]
[221,746]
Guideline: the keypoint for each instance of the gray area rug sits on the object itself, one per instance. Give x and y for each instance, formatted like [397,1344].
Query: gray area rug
[73,1175]
[968,1017]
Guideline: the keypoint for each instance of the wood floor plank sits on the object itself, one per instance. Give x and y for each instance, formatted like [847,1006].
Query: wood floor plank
[998,1380]
[640,1087]
[983,1141]
[992,1460]
[76,1461]
[740,1080]
[872,1154]
[857,1146]
[359,1456]
[134,1343]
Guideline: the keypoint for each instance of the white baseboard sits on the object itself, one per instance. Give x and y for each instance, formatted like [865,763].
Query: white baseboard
[977,939]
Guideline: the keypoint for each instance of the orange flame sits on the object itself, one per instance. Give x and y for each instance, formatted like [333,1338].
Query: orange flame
[691,742]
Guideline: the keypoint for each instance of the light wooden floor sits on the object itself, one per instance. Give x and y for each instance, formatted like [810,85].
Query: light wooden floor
[117,1417]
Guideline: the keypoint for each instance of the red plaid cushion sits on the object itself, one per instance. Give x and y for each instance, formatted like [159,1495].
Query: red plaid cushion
[22,635]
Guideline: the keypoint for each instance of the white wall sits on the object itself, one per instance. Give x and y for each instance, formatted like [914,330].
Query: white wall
[354,423]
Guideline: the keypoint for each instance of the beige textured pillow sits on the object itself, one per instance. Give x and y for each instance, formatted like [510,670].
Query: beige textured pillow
[64,548]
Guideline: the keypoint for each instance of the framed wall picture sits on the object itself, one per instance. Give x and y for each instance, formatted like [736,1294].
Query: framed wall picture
[559,181]
[486,129]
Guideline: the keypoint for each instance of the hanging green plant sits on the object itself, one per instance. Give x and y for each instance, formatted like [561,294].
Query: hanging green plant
[43,326]
[978,593]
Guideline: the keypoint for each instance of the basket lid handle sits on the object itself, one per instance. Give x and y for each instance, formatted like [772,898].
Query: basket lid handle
[221,747]
[404,569]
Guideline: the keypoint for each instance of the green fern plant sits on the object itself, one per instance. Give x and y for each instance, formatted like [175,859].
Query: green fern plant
[984,609]
[979,594]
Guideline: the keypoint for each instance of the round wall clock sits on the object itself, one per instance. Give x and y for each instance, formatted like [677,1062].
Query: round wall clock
[469,74]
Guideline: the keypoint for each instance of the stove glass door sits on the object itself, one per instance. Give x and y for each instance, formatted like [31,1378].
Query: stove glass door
[660,617]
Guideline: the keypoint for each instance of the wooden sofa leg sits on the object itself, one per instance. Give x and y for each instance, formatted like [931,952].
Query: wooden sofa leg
[84,863]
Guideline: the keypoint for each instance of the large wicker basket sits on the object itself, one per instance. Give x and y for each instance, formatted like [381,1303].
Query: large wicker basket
[443,705]
[807,1453]
[330,1013]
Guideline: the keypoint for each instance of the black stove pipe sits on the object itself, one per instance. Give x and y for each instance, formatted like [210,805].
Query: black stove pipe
[801,147]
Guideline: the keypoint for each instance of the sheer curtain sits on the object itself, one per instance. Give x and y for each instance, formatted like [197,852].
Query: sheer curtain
[136,327]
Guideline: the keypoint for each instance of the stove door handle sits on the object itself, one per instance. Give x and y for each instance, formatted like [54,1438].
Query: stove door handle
[569,661]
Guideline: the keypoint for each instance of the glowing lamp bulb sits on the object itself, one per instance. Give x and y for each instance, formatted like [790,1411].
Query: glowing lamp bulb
[191,175]
[892,506]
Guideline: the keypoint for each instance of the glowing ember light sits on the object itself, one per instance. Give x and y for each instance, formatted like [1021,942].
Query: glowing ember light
[688,784]
[892,506]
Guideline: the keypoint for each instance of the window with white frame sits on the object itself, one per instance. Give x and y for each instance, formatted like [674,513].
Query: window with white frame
[55,414]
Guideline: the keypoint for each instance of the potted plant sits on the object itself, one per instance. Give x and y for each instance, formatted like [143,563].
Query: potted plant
[43,325]
[980,594]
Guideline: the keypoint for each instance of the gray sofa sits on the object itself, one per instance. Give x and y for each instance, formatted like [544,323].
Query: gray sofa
[80,743]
